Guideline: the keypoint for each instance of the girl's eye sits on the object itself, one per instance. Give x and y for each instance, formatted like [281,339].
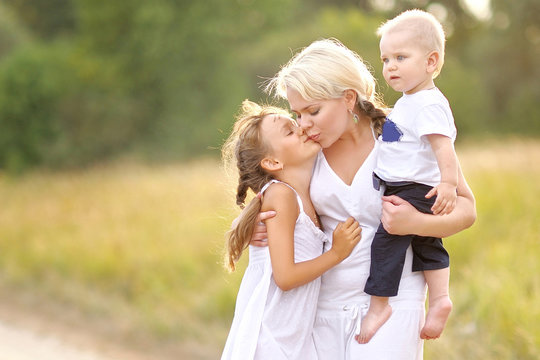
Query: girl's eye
[314,112]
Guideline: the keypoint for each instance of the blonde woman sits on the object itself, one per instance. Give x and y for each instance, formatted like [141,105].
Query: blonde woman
[332,93]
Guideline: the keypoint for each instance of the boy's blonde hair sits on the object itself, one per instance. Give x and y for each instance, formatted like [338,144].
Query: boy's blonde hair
[323,71]
[425,28]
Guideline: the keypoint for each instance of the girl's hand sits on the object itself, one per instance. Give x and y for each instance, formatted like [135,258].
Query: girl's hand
[446,198]
[398,215]
[345,237]
[260,236]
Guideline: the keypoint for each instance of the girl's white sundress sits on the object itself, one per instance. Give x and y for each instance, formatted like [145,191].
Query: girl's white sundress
[270,323]
[342,300]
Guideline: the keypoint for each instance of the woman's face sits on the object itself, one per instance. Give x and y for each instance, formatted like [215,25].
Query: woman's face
[324,121]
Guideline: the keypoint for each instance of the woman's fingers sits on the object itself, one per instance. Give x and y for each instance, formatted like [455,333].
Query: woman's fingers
[265,215]
[259,243]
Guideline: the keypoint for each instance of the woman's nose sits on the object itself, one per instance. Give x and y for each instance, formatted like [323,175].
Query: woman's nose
[304,124]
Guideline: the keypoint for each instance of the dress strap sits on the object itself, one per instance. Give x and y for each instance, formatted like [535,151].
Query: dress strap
[284,183]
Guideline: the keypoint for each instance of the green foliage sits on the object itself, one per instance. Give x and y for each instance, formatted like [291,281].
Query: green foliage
[164,78]
[59,107]
[31,83]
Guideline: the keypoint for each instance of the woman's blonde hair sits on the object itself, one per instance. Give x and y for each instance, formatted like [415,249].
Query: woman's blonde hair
[325,70]
[424,27]
[246,148]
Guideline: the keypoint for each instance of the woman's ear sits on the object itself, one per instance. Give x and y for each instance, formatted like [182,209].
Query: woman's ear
[271,164]
[350,98]
[432,61]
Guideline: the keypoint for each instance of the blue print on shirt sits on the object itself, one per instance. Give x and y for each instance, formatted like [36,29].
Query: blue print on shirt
[391,132]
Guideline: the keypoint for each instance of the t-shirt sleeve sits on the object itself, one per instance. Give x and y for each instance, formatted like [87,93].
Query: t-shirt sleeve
[435,119]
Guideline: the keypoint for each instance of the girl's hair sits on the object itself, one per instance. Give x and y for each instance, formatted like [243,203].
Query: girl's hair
[246,148]
[424,27]
[325,70]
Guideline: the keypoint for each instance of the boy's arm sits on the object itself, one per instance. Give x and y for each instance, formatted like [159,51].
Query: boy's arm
[447,160]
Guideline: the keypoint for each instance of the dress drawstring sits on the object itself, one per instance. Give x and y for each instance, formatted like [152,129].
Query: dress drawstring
[357,313]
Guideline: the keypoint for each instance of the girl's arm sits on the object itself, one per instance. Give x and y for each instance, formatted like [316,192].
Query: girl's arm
[288,274]
[401,218]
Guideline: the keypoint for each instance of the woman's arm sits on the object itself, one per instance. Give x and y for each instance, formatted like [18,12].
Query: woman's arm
[288,274]
[401,218]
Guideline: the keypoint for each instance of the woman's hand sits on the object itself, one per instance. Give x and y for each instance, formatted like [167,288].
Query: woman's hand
[398,215]
[345,237]
[260,236]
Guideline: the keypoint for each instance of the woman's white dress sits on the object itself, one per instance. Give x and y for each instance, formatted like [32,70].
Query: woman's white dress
[342,300]
[270,323]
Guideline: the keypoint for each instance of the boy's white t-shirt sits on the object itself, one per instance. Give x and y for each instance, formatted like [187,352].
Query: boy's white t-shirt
[405,153]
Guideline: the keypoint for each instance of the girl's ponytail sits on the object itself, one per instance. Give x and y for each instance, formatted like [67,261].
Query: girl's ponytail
[240,235]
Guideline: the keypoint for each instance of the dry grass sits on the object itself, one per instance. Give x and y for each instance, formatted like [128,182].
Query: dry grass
[140,247]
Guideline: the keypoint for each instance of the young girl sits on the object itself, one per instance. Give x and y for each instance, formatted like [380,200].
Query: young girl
[277,300]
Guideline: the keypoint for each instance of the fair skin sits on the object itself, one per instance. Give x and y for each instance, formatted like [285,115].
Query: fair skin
[290,159]
[409,68]
[346,145]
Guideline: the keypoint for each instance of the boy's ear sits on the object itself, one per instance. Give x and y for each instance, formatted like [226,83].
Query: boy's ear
[432,61]
[271,164]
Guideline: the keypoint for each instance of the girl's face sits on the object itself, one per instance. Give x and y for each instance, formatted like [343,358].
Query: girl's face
[288,142]
[324,121]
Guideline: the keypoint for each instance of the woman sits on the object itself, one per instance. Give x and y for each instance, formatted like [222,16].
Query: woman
[333,95]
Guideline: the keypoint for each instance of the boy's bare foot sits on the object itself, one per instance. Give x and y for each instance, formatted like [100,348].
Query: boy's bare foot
[438,312]
[374,319]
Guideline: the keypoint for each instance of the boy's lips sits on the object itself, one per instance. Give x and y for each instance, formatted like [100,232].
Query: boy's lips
[314,137]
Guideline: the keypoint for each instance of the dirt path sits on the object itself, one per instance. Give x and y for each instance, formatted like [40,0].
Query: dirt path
[32,333]
[21,344]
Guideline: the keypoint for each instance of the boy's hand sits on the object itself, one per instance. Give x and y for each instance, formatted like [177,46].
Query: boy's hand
[345,237]
[446,198]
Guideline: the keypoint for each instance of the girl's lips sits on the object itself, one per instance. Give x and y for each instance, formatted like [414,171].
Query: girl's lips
[314,137]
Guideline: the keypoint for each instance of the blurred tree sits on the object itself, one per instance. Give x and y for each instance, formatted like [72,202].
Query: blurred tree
[167,76]
[45,18]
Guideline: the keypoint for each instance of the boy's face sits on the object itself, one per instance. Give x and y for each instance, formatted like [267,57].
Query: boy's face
[405,62]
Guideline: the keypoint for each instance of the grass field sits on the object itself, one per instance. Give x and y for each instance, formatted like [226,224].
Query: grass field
[136,250]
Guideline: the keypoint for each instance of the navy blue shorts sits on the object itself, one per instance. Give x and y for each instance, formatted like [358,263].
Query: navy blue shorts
[388,251]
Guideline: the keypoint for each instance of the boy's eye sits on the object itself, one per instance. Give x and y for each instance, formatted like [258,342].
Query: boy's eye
[400,57]
[385,60]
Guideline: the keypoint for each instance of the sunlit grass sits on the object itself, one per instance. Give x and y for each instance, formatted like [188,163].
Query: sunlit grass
[141,246]
[495,284]
[149,238]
